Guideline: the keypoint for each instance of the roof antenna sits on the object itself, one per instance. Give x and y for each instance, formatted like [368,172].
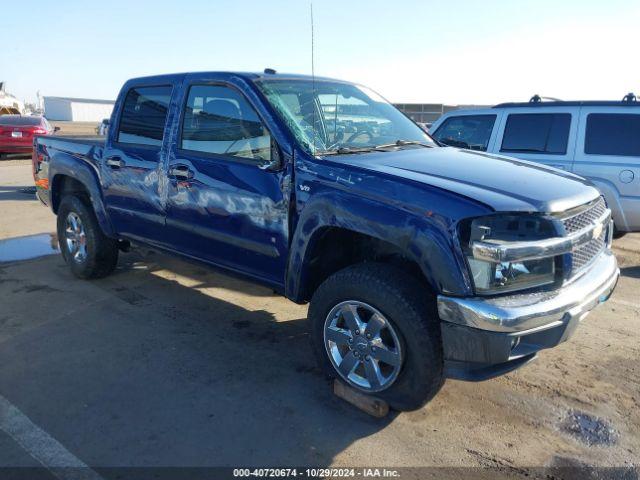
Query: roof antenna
[313,82]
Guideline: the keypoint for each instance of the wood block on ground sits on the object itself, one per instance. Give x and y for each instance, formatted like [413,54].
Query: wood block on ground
[374,406]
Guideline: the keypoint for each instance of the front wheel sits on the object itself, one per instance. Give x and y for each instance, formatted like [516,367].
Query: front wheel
[376,329]
[86,249]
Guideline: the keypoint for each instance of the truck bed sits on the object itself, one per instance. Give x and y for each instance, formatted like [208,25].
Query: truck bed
[56,150]
[72,142]
[87,147]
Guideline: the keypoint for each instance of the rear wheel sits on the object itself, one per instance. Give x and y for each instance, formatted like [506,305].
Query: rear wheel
[86,249]
[375,328]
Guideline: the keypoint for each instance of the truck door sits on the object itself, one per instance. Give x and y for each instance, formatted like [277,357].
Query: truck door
[132,162]
[225,201]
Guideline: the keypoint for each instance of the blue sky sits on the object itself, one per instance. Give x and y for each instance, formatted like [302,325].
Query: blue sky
[408,50]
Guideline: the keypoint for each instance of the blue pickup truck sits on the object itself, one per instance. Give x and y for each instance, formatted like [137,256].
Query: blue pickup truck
[420,262]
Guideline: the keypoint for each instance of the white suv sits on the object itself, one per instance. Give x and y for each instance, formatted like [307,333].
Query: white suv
[599,140]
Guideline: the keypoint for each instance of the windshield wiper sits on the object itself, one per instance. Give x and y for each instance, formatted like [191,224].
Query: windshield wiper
[372,148]
[402,143]
[347,150]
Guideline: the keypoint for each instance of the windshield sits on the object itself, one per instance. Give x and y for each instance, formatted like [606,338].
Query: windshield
[334,118]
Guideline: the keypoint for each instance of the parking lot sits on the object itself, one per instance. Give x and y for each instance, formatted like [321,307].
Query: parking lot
[168,363]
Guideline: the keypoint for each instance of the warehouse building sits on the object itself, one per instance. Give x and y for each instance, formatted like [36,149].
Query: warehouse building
[77,109]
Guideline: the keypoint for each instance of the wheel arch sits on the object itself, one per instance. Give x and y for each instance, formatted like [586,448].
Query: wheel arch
[325,241]
[81,182]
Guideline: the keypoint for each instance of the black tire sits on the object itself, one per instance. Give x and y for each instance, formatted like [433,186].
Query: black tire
[410,309]
[101,251]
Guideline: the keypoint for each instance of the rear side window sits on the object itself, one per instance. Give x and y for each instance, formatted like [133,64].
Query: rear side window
[613,134]
[537,133]
[466,131]
[219,120]
[144,114]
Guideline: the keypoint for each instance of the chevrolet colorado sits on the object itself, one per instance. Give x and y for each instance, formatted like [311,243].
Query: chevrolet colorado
[420,262]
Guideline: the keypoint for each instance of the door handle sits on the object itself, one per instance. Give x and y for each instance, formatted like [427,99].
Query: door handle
[182,172]
[114,162]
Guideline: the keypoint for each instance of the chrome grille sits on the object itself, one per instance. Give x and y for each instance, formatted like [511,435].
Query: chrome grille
[579,219]
[585,254]
[585,217]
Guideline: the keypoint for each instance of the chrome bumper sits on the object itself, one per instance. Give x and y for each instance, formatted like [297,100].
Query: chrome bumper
[536,311]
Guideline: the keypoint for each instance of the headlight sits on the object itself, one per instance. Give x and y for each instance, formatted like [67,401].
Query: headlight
[491,278]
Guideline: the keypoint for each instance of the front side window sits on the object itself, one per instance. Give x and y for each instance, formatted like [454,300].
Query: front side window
[613,134]
[144,114]
[219,120]
[537,133]
[466,131]
[329,117]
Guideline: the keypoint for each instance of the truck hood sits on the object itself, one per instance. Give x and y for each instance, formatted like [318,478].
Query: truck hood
[502,183]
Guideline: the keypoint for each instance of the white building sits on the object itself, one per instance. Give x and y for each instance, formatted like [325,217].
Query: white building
[77,109]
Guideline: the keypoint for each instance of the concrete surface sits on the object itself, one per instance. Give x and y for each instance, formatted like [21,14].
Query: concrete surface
[169,363]
[75,128]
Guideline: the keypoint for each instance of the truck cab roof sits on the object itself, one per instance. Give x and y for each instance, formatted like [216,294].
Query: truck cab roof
[249,76]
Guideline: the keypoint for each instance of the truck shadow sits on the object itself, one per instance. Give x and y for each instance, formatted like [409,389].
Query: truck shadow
[168,363]
[632,272]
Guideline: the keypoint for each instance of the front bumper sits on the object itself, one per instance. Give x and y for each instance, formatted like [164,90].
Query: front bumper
[485,337]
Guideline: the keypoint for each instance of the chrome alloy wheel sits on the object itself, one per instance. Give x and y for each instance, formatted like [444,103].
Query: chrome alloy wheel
[75,238]
[362,346]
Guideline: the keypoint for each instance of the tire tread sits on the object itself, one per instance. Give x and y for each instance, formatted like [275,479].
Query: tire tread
[103,257]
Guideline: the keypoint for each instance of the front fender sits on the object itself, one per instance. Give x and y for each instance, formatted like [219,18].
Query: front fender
[426,239]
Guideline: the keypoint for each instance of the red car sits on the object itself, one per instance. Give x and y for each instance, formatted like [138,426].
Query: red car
[17,132]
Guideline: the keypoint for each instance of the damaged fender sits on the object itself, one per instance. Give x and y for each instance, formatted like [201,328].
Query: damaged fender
[425,241]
